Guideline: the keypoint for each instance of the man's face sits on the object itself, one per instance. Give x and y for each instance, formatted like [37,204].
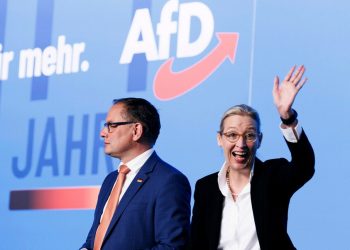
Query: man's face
[119,140]
[239,141]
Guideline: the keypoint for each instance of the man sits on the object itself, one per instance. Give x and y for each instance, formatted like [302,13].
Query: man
[153,210]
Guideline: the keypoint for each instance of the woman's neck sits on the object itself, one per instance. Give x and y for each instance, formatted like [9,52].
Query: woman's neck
[237,180]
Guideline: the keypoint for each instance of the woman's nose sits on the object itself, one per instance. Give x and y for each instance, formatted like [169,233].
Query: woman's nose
[241,142]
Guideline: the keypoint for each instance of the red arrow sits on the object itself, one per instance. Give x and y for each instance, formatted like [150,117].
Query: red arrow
[169,84]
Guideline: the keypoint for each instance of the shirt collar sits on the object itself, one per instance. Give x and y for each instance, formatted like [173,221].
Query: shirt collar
[222,182]
[135,164]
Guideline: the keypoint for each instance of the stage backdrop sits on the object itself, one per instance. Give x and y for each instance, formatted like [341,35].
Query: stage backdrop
[63,62]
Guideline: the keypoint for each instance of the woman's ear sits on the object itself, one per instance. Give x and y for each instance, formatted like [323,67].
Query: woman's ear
[218,139]
[258,142]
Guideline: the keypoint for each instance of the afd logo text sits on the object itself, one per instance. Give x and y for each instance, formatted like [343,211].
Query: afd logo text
[155,44]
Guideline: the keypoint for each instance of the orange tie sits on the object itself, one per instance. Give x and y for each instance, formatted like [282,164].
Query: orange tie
[110,207]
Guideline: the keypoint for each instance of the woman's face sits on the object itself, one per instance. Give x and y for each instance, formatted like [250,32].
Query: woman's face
[239,141]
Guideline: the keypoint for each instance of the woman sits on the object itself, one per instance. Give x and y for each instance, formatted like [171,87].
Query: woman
[245,204]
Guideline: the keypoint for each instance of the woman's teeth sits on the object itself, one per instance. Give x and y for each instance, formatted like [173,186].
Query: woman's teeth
[240,154]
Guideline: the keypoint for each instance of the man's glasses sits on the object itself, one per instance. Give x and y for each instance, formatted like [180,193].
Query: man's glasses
[111,125]
[234,137]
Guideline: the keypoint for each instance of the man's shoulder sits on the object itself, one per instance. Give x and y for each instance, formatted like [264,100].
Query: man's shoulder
[167,170]
[165,167]
[165,174]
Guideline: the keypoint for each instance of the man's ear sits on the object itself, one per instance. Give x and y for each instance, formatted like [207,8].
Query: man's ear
[137,131]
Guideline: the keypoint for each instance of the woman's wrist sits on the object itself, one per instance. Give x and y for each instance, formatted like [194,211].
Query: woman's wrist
[290,119]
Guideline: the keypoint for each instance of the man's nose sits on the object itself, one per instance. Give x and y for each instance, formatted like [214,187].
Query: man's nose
[103,132]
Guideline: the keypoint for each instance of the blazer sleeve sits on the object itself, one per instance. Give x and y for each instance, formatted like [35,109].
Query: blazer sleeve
[295,173]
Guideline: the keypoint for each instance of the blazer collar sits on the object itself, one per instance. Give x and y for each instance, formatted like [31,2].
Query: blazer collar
[258,198]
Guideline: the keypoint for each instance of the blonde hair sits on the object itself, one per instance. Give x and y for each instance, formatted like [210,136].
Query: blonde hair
[243,110]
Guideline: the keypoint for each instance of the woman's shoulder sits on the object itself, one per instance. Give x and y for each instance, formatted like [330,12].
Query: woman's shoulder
[208,179]
[207,187]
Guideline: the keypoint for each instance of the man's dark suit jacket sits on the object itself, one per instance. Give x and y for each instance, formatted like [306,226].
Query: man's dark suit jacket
[272,186]
[154,212]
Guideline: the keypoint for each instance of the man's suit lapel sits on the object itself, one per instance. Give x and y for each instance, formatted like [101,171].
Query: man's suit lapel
[137,183]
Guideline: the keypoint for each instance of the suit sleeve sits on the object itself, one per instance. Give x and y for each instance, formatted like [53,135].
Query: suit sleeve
[172,213]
